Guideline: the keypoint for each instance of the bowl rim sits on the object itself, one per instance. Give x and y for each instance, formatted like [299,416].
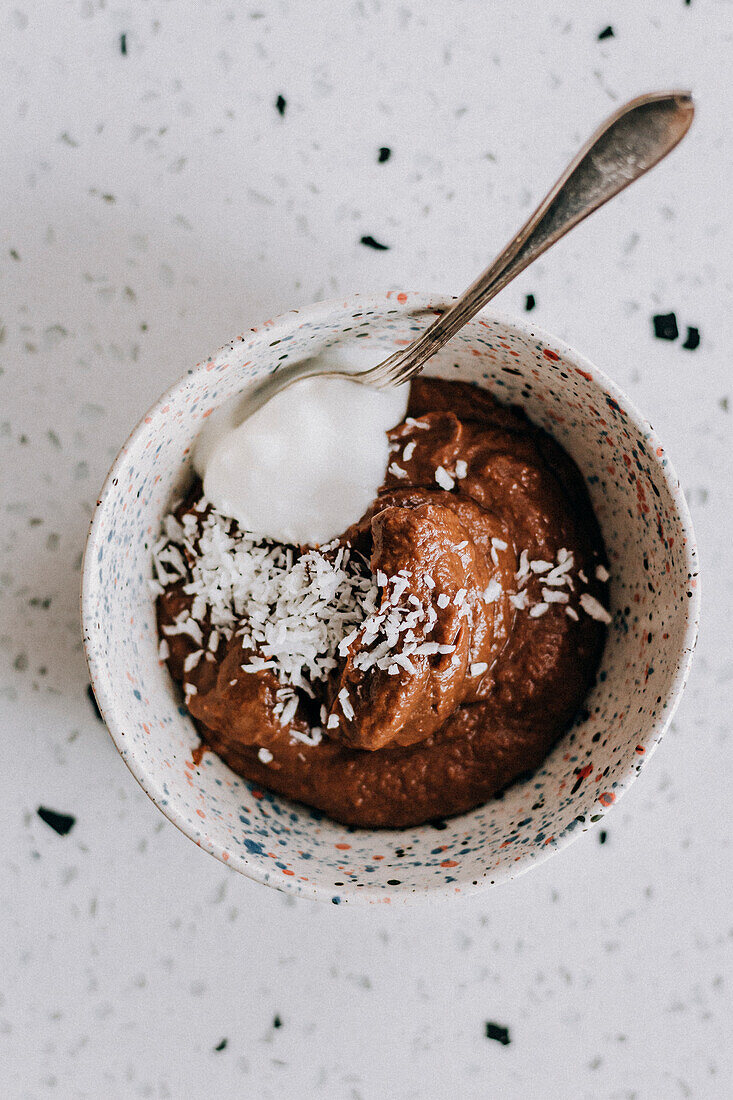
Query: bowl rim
[406,302]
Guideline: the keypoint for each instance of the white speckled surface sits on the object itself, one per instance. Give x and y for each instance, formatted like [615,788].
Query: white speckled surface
[154,205]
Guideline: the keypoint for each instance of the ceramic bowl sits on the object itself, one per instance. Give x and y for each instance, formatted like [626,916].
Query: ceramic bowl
[654,602]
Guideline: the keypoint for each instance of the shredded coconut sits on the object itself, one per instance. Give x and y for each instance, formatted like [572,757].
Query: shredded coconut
[265,756]
[290,612]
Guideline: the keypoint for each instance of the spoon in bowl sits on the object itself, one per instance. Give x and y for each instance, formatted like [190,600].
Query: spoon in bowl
[630,142]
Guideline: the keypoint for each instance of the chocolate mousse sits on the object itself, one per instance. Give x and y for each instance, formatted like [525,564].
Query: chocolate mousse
[423,660]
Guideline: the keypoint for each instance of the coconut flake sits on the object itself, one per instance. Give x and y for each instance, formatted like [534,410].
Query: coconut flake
[551,595]
[396,470]
[346,706]
[478,669]
[592,607]
[523,570]
[492,592]
[443,478]
[602,574]
[264,755]
[315,737]
[461,468]
[192,660]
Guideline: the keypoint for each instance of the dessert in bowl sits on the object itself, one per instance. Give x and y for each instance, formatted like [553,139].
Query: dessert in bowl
[416,733]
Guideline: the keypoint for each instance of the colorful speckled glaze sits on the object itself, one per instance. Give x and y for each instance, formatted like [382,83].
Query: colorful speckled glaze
[654,601]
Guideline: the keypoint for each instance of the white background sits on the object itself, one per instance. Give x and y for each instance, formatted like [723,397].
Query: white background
[157,204]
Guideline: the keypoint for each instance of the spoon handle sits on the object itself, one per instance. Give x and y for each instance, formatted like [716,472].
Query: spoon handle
[626,146]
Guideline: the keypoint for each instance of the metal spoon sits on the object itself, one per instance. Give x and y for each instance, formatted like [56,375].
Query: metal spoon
[628,144]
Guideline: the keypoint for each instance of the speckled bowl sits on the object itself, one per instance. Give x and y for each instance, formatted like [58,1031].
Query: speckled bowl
[654,601]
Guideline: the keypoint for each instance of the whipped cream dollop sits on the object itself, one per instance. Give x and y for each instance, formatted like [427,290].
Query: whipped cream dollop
[306,465]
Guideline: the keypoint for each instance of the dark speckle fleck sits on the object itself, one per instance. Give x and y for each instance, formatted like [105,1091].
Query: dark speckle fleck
[393,881]
[222,1045]
[14,254]
[277,1022]
[123,45]
[280,105]
[529,303]
[44,602]
[665,326]
[384,154]
[602,836]
[692,340]
[93,701]
[607,32]
[501,1034]
[371,243]
[60,823]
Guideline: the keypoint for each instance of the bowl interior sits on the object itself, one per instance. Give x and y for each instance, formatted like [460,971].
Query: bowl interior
[653,600]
